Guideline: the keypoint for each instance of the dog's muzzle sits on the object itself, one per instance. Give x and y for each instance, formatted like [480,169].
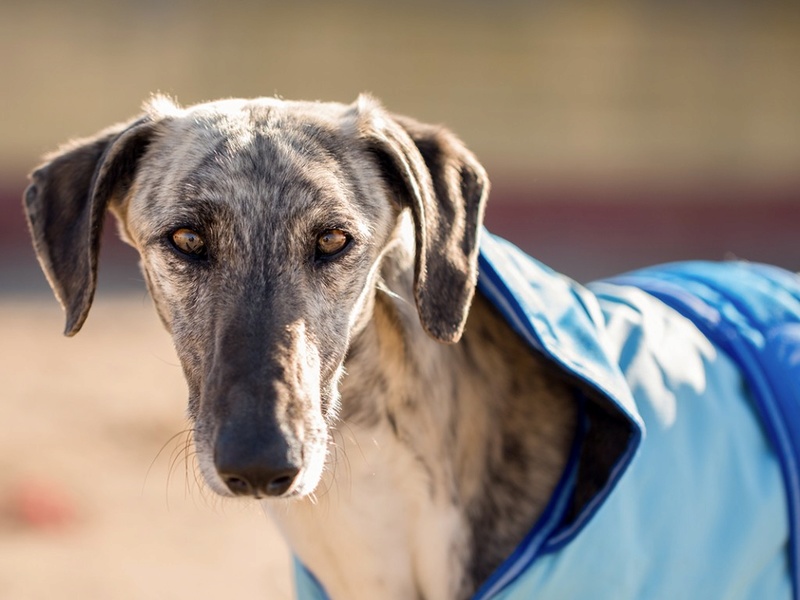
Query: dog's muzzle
[261,407]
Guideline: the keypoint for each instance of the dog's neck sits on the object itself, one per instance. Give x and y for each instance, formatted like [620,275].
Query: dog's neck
[443,458]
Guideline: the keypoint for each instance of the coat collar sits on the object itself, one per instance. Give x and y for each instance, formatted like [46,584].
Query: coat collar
[562,320]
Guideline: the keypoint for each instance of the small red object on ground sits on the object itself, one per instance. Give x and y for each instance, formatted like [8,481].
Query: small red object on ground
[39,504]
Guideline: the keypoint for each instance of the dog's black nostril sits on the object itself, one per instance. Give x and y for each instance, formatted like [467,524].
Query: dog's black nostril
[238,485]
[281,483]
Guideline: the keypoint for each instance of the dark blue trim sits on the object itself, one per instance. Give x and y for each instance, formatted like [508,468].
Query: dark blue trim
[758,326]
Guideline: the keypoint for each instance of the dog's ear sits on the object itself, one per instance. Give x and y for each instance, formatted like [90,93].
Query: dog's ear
[66,203]
[431,171]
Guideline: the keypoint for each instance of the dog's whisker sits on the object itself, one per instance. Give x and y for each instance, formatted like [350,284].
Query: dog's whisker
[210,500]
[339,456]
[332,464]
[175,459]
[158,454]
[189,454]
[395,296]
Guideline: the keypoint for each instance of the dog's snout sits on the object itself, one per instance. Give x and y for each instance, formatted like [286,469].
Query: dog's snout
[260,481]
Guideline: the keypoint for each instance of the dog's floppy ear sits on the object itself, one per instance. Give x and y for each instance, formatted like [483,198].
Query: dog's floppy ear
[66,203]
[433,173]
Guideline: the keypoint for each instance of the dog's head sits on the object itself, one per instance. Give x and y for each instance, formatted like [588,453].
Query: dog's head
[262,226]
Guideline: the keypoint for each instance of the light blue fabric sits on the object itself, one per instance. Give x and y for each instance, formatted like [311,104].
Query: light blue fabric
[706,357]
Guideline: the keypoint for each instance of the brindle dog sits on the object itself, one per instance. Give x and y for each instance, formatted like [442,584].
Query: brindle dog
[315,264]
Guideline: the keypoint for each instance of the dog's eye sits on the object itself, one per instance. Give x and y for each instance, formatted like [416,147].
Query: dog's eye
[189,242]
[331,242]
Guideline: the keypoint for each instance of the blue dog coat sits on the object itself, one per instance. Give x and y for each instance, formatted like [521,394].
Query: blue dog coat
[689,458]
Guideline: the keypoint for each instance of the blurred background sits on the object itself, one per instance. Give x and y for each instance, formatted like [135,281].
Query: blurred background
[616,134]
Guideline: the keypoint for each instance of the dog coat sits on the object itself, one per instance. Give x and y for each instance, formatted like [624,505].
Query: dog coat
[688,459]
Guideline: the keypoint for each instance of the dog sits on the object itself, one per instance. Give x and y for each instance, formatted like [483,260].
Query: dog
[317,264]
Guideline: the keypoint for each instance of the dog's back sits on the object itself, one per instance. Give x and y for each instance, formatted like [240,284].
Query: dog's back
[708,506]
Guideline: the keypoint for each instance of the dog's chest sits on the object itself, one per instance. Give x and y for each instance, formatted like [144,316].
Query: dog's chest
[375,529]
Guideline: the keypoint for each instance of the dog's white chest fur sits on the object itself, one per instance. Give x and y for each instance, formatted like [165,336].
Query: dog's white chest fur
[375,529]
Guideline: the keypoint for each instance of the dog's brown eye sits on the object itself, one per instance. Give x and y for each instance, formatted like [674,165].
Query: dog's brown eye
[331,242]
[189,242]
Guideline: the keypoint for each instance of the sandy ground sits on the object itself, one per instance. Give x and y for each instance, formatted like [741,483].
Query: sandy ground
[96,498]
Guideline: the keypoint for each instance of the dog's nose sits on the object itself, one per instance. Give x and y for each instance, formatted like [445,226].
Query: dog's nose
[259,481]
[256,463]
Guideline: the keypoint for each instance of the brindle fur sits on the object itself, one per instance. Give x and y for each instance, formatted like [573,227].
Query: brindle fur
[421,438]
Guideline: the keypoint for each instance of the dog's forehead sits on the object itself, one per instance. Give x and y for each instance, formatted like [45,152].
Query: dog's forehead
[264,137]
[281,155]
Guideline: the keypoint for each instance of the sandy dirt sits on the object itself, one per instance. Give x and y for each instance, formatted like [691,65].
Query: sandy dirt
[97,499]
